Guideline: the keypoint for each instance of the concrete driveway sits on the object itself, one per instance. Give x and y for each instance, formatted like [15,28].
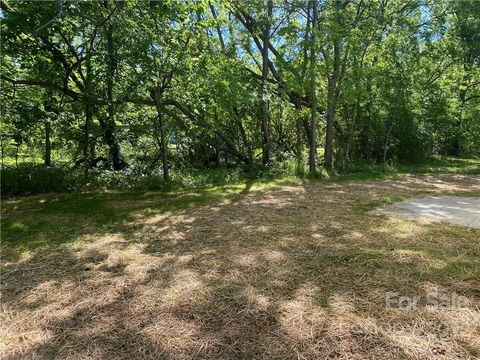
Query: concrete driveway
[463,211]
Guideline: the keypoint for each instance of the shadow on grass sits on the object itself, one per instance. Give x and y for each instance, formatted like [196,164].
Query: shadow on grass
[47,221]
[283,272]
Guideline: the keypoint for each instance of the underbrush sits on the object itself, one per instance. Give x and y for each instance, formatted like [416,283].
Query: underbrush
[436,165]
[28,178]
[33,179]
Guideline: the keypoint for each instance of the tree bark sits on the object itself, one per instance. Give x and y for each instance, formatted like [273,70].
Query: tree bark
[217,26]
[265,70]
[351,134]
[109,129]
[2,151]
[48,147]
[88,117]
[385,147]
[457,141]
[312,159]
[163,137]
[331,113]
[17,146]
[298,145]
[332,96]
[50,110]
[86,137]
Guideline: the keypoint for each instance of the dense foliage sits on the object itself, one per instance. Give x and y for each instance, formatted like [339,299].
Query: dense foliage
[187,84]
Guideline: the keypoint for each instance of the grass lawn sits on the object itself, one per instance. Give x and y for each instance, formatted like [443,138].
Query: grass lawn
[287,270]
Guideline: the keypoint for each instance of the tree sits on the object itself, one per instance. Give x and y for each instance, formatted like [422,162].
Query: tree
[239,82]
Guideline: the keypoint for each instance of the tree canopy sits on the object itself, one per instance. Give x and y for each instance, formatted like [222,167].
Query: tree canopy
[188,83]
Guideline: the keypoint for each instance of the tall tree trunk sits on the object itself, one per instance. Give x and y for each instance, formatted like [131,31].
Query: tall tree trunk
[109,125]
[331,107]
[365,144]
[2,151]
[457,141]
[312,159]
[243,133]
[265,69]
[163,136]
[298,145]
[88,116]
[48,146]
[86,131]
[351,134]
[352,130]
[163,139]
[93,151]
[86,137]
[113,146]
[385,146]
[217,26]
[17,146]
[332,93]
[50,109]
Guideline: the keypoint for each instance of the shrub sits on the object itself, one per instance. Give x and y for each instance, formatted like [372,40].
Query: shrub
[34,179]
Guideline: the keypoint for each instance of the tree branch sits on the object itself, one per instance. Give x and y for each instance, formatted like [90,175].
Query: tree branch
[42,83]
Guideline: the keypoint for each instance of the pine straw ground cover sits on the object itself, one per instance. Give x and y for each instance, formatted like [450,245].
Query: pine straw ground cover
[296,270]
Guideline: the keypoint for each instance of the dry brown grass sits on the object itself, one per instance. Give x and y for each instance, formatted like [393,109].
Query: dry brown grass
[291,271]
